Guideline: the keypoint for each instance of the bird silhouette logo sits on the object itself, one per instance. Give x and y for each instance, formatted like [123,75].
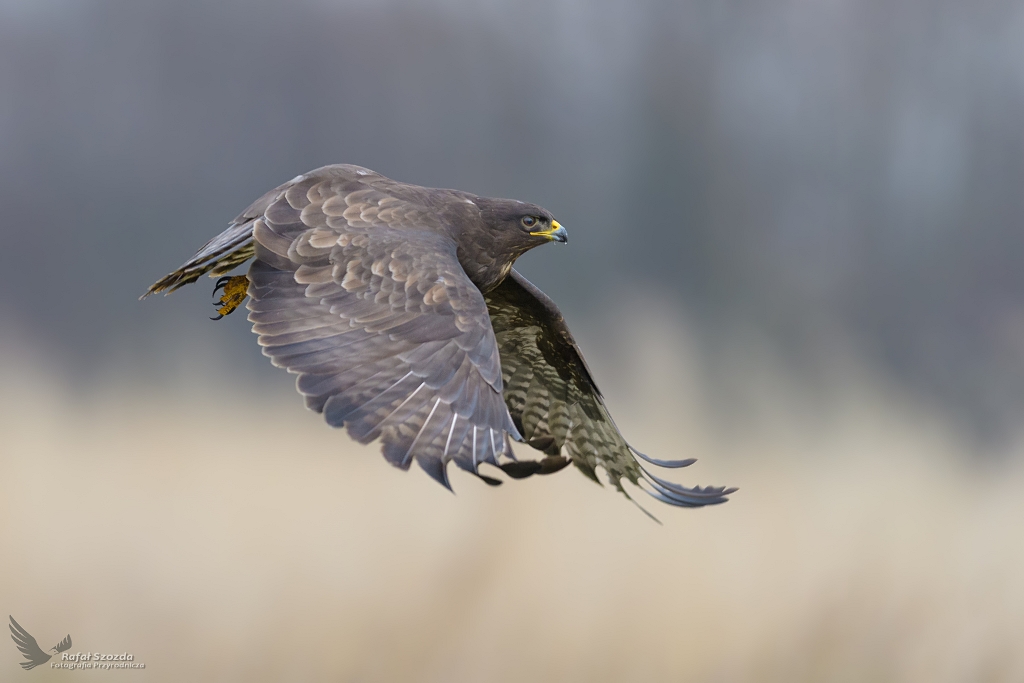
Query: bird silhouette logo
[30,648]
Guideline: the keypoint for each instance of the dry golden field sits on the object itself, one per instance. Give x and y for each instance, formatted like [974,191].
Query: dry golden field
[221,533]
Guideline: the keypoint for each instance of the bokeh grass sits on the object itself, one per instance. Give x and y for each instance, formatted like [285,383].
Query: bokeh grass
[221,533]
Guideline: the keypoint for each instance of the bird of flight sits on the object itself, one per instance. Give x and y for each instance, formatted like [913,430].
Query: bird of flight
[30,649]
[398,308]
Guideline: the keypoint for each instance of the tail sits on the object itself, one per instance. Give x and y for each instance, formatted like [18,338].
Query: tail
[220,255]
[224,252]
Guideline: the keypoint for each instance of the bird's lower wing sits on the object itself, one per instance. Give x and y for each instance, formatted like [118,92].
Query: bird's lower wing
[555,403]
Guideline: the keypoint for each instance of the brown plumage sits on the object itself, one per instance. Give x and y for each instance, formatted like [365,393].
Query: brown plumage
[398,308]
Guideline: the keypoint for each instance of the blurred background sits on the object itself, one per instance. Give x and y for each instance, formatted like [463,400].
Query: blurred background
[796,255]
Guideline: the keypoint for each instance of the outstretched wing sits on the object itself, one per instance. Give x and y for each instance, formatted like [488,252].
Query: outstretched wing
[28,646]
[64,644]
[352,291]
[555,403]
[234,246]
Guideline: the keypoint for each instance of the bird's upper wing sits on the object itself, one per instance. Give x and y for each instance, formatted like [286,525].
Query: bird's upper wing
[387,333]
[555,403]
[234,246]
[28,646]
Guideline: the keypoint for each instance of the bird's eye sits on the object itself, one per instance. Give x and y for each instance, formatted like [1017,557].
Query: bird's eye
[529,221]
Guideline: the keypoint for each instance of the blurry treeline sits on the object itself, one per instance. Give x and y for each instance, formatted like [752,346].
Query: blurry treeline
[825,181]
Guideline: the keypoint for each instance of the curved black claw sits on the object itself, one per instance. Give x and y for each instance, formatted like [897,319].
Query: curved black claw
[490,481]
[217,305]
[235,290]
[221,282]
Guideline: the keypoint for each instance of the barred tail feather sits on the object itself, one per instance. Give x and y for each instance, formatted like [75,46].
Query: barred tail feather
[220,255]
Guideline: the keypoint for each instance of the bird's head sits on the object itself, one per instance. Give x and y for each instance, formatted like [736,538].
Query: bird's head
[498,233]
[522,226]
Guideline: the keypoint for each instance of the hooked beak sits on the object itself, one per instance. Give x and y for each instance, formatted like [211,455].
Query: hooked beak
[556,233]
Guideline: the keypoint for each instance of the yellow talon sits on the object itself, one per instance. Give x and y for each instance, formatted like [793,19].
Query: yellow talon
[235,290]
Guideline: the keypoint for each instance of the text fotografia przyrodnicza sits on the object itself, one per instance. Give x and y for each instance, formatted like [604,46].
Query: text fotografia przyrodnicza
[97,660]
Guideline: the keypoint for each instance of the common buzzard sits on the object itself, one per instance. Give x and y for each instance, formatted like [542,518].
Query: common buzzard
[398,308]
